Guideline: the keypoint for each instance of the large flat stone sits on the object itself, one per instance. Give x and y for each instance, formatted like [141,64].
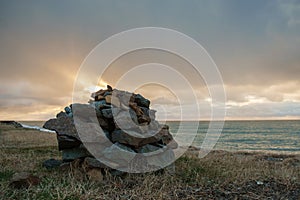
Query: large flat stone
[63,125]
[72,154]
[118,155]
[126,120]
[67,142]
[133,138]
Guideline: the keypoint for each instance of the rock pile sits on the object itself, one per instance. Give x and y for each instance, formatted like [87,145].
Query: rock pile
[128,124]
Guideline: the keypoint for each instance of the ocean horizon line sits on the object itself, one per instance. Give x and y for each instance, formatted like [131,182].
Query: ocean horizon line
[177,120]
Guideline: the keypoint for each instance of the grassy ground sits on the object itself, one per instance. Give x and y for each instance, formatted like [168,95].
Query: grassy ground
[220,175]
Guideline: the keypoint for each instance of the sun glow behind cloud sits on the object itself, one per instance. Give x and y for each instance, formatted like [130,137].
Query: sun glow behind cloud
[94,88]
[44,45]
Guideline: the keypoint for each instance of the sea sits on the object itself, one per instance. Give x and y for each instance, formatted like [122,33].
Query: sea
[278,136]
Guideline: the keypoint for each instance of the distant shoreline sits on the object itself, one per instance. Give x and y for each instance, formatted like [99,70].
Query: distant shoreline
[228,120]
[192,148]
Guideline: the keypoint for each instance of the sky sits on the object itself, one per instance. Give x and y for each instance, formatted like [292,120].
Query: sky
[255,44]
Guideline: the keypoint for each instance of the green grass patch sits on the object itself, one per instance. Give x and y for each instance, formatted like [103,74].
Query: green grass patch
[5,175]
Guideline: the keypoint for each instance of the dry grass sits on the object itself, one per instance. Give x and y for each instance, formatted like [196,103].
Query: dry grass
[25,138]
[220,175]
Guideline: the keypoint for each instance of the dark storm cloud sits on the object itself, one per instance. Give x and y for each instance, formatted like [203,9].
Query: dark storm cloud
[255,44]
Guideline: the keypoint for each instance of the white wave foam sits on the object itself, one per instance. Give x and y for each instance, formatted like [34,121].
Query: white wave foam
[37,128]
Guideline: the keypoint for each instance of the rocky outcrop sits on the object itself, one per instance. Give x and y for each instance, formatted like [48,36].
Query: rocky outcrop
[13,123]
[126,120]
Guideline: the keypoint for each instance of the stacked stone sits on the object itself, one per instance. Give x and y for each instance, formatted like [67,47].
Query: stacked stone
[119,114]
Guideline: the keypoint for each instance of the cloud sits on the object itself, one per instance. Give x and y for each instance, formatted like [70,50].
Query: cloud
[275,110]
[291,10]
[164,100]
[255,44]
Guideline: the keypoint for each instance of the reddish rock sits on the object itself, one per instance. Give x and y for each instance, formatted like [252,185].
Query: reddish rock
[23,180]
[108,99]
[95,175]
[98,93]
[142,117]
